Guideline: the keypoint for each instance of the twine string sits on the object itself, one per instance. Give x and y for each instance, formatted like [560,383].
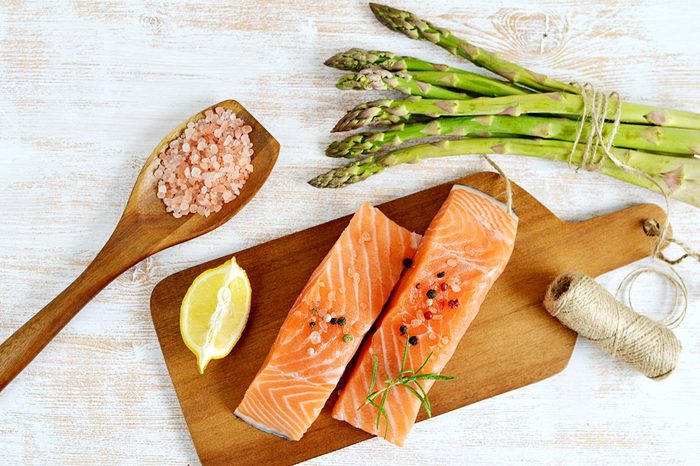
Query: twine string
[651,228]
[673,319]
[581,304]
[509,189]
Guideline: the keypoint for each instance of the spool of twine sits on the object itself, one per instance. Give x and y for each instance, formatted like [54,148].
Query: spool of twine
[584,306]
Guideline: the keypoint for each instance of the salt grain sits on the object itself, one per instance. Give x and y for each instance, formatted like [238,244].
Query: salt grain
[206,166]
[315,338]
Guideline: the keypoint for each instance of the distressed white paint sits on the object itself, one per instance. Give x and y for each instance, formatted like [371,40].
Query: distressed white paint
[86,89]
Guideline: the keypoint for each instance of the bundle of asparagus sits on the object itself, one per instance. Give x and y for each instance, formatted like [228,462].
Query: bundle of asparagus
[528,113]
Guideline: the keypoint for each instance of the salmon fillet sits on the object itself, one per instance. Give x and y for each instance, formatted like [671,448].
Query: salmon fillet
[326,324]
[464,250]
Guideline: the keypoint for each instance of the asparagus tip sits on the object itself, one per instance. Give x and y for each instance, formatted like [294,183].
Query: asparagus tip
[330,61]
[378,8]
[392,18]
[348,174]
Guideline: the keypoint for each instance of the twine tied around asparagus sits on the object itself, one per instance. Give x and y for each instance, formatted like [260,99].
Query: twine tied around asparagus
[594,114]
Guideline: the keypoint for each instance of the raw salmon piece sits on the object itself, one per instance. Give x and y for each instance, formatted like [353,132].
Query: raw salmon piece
[464,250]
[350,286]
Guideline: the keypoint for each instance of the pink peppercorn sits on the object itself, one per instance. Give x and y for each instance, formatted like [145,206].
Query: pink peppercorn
[443,286]
[428,315]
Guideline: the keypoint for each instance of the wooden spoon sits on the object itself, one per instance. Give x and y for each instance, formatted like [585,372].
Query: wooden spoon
[144,229]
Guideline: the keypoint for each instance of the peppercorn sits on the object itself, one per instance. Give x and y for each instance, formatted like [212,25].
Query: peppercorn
[428,315]
[342,321]
[441,274]
[347,338]
[431,294]
[413,340]
[334,321]
[453,302]
[443,286]
[314,311]
[403,329]
[312,324]
[417,286]
[407,262]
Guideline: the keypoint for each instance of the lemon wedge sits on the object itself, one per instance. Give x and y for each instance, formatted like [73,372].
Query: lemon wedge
[214,312]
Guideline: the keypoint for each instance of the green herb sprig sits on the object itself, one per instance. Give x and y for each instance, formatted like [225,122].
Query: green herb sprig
[405,378]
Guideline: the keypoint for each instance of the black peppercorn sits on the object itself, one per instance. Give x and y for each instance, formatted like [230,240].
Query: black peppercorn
[407,262]
[441,274]
[334,321]
[342,321]
[413,340]
[431,294]
[403,329]
[312,324]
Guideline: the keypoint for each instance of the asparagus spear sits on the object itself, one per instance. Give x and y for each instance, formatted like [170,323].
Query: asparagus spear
[650,138]
[679,176]
[420,82]
[470,82]
[440,75]
[417,28]
[387,111]
[380,79]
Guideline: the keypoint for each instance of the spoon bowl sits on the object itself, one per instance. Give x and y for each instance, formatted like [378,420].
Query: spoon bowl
[144,229]
[145,209]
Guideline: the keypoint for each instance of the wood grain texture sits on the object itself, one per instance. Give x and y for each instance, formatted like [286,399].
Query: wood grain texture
[144,229]
[513,341]
[88,87]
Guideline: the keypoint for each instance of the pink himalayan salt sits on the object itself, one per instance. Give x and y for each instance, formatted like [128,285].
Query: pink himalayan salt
[206,166]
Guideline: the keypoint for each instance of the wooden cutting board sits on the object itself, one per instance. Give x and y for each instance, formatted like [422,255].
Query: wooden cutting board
[513,341]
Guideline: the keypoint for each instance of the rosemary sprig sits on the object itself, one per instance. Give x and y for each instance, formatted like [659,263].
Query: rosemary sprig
[407,378]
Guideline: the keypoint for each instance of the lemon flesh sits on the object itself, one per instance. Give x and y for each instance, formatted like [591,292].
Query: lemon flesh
[214,312]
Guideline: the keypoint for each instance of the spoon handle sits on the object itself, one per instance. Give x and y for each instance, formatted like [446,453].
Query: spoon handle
[23,345]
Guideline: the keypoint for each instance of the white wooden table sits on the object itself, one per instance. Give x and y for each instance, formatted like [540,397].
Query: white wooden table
[87,88]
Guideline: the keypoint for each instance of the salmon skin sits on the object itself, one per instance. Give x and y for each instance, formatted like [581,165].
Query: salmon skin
[326,324]
[464,250]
